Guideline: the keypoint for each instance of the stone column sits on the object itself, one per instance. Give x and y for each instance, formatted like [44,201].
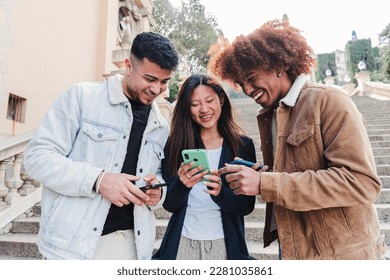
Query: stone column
[3,189]
[362,77]
[329,81]
[15,182]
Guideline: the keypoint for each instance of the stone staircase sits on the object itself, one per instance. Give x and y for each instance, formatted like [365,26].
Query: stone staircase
[20,241]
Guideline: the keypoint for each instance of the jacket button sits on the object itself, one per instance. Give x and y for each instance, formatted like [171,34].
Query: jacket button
[141,170]
[94,229]
[116,165]
[138,232]
[124,136]
[100,135]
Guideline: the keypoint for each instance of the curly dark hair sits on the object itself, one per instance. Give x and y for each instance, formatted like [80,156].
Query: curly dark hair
[156,48]
[276,45]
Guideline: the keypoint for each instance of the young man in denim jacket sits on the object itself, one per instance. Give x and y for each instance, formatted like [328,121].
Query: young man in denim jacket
[99,143]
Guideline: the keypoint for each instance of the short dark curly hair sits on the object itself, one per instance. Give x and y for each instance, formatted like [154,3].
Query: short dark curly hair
[276,45]
[156,48]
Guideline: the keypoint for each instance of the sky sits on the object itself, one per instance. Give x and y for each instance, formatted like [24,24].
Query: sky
[327,25]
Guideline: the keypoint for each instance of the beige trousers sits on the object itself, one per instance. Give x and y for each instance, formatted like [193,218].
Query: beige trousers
[119,245]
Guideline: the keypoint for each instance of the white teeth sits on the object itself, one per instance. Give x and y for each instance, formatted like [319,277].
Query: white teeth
[258,95]
[149,94]
[206,117]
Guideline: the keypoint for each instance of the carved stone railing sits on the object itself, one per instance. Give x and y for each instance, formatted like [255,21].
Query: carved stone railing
[367,87]
[18,192]
[377,88]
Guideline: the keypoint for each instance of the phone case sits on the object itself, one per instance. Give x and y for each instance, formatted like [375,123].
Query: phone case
[198,156]
[246,163]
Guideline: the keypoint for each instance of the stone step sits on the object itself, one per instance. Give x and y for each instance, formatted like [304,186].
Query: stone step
[384,197]
[378,131]
[385,181]
[20,245]
[383,137]
[383,170]
[26,225]
[381,126]
[381,151]
[382,160]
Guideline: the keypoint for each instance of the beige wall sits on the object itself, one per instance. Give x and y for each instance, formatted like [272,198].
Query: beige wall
[45,45]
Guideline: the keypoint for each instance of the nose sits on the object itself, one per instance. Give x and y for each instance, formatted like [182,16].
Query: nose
[203,107]
[156,88]
[247,88]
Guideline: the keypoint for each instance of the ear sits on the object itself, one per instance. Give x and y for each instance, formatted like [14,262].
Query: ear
[128,64]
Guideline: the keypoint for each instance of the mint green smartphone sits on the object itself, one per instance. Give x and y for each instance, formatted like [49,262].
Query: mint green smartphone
[198,156]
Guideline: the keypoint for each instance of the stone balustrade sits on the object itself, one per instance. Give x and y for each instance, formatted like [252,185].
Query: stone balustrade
[18,192]
[377,88]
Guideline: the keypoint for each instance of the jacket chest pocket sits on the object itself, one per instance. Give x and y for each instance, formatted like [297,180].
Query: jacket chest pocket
[99,144]
[153,154]
[299,148]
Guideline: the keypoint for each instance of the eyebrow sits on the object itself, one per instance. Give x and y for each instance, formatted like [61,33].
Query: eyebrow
[155,78]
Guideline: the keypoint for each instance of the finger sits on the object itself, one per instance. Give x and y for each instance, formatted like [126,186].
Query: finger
[256,166]
[137,194]
[229,168]
[150,178]
[132,177]
[265,168]
[118,203]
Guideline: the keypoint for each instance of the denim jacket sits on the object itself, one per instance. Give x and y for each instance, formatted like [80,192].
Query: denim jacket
[84,132]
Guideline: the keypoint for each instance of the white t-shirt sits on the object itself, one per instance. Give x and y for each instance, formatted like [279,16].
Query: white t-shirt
[203,219]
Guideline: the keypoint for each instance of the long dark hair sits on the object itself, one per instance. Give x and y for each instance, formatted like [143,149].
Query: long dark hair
[185,133]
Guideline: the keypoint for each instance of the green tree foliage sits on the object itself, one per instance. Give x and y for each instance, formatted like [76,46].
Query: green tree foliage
[165,16]
[191,30]
[360,50]
[325,61]
[384,59]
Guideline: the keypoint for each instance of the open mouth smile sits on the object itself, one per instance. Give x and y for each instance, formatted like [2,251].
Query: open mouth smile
[258,94]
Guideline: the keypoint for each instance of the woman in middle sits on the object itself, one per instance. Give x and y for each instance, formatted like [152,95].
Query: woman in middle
[207,219]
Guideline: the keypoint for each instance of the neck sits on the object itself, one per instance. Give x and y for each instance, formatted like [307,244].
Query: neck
[212,140]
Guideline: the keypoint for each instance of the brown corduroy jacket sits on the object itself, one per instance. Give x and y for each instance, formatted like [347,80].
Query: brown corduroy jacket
[323,183]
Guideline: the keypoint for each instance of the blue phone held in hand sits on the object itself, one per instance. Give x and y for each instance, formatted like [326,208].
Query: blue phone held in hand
[246,163]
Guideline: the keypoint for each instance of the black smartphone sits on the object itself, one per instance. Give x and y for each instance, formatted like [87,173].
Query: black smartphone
[154,186]
[246,163]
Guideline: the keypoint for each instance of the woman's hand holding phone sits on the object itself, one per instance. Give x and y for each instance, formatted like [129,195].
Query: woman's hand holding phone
[190,175]
[213,182]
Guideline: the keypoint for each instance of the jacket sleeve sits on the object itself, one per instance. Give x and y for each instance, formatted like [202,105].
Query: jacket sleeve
[45,157]
[227,200]
[176,192]
[347,174]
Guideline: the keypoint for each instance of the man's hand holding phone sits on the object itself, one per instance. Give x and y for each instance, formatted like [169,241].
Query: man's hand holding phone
[244,177]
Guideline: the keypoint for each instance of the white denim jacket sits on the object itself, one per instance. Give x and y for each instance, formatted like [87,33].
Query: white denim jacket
[84,132]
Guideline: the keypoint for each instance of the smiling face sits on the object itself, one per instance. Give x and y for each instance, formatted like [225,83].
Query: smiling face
[265,87]
[206,107]
[144,80]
